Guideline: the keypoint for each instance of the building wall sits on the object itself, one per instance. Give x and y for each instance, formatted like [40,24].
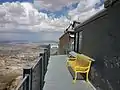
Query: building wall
[101,41]
[63,42]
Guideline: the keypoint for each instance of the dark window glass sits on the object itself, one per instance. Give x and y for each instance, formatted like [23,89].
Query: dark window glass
[76,41]
[80,41]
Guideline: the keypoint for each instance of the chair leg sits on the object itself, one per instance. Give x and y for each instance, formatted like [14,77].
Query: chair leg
[74,81]
[87,76]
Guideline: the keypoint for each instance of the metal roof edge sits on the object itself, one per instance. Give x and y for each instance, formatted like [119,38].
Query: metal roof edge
[109,3]
[65,34]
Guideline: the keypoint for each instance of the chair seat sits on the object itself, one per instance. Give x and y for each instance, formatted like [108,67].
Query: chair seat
[77,67]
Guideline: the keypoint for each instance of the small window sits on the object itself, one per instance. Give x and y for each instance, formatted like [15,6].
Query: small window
[76,41]
[80,41]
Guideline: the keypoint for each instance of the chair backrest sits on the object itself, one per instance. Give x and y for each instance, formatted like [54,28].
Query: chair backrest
[72,53]
[84,60]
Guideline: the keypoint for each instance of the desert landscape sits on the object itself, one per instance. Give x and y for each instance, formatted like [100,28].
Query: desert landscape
[13,57]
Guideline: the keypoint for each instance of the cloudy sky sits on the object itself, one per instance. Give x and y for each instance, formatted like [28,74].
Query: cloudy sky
[27,17]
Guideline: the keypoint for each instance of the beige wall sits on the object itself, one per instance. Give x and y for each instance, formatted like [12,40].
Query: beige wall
[64,43]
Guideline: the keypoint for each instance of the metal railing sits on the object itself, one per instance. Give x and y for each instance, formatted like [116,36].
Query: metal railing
[33,77]
[23,84]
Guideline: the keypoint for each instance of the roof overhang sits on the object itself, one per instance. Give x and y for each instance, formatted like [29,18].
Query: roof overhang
[109,3]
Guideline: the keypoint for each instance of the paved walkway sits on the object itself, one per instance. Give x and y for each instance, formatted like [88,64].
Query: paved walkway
[59,78]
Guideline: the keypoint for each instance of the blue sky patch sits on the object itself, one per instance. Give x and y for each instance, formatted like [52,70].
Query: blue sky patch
[62,12]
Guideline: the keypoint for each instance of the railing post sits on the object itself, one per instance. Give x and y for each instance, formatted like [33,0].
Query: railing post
[42,71]
[28,84]
[47,54]
[45,60]
[49,50]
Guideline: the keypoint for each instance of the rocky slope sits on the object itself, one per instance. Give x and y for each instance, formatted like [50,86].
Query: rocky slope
[12,60]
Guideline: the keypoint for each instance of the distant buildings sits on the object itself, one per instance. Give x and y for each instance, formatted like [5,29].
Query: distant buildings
[66,41]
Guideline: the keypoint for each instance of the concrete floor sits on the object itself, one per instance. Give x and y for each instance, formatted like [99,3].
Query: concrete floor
[59,78]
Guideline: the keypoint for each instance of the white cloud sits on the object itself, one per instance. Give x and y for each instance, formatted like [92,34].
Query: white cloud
[52,24]
[24,16]
[84,10]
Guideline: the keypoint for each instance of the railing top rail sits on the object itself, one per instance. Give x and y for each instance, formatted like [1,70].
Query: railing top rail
[22,82]
[37,62]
